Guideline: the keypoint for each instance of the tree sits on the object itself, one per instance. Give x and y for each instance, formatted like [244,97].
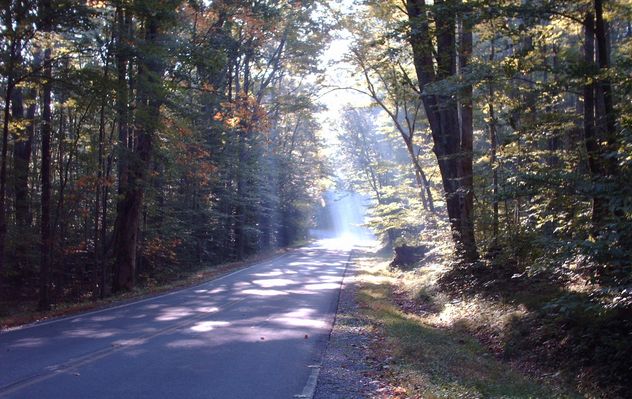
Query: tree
[45,171]
[149,98]
[450,120]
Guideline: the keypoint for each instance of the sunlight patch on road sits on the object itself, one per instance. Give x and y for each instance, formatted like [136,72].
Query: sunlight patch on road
[102,318]
[129,342]
[174,314]
[28,343]
[269,274]
[303,317]
[205,326]
[274,282]
[90,333]
[303,263]
[207,309]
[187,343]
[264,292]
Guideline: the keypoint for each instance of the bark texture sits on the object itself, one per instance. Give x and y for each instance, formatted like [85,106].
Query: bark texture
[449,116]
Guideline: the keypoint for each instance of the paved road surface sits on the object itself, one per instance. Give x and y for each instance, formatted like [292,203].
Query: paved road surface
[251,334]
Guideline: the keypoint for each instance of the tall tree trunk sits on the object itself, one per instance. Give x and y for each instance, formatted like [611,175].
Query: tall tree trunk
[493,137]
[10,85]
[450,123]
[45,226]
[608,119]
[105,265]
[240,209]
[21,159]
[122,96]
[599,201]
[3,170]
[122,148]
[148,100]
[98,243]
[21,162]
[466,172]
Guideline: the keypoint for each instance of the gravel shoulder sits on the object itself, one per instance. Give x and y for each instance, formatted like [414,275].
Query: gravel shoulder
[343,371]
[351,367]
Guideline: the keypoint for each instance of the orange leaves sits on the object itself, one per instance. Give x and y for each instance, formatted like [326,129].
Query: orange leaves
[200,21]
[161,251]
[89,182]
[244,112]
[171,124]
[196,162]
[208,88]
[253,28]
[189,153]
[230,122]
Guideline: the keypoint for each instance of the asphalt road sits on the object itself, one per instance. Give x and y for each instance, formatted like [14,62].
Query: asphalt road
[256,333]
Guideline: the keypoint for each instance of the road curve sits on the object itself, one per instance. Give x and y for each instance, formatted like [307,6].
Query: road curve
[256,333]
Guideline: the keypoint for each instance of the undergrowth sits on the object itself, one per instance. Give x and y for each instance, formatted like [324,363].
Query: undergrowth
[437,340]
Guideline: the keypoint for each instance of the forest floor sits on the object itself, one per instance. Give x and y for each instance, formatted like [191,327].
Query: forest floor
[17,311]
[398,335]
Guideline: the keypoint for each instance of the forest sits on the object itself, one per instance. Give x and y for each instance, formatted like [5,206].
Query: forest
[144,140]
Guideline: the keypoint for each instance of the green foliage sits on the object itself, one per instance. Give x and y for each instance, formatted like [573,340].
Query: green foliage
[234,166]
[551,187]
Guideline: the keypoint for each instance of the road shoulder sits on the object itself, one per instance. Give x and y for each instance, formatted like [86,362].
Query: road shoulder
[350,369]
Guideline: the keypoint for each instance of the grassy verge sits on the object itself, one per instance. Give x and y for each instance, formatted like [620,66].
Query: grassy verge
[428,342]
[14,314]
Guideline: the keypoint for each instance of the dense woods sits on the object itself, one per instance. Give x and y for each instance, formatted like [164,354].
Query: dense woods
[524,108]
[515,115]
[143,139]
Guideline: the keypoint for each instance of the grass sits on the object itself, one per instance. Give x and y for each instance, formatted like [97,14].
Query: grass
[434,356]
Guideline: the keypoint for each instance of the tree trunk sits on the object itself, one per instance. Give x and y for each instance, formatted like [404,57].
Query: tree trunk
[493,138]
[599,202]
[608,119]
[3,171]
[420,176]
[21,158]
[451,125]
[148,100]
[466,172]
[240,209]
[122,100]
[98,243]
[45,227]
[105,265]
[9,70]
[21,162]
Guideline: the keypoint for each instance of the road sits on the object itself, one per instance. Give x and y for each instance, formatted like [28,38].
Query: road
[256,333]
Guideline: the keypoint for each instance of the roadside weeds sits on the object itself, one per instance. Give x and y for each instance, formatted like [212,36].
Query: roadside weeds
[427,348]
